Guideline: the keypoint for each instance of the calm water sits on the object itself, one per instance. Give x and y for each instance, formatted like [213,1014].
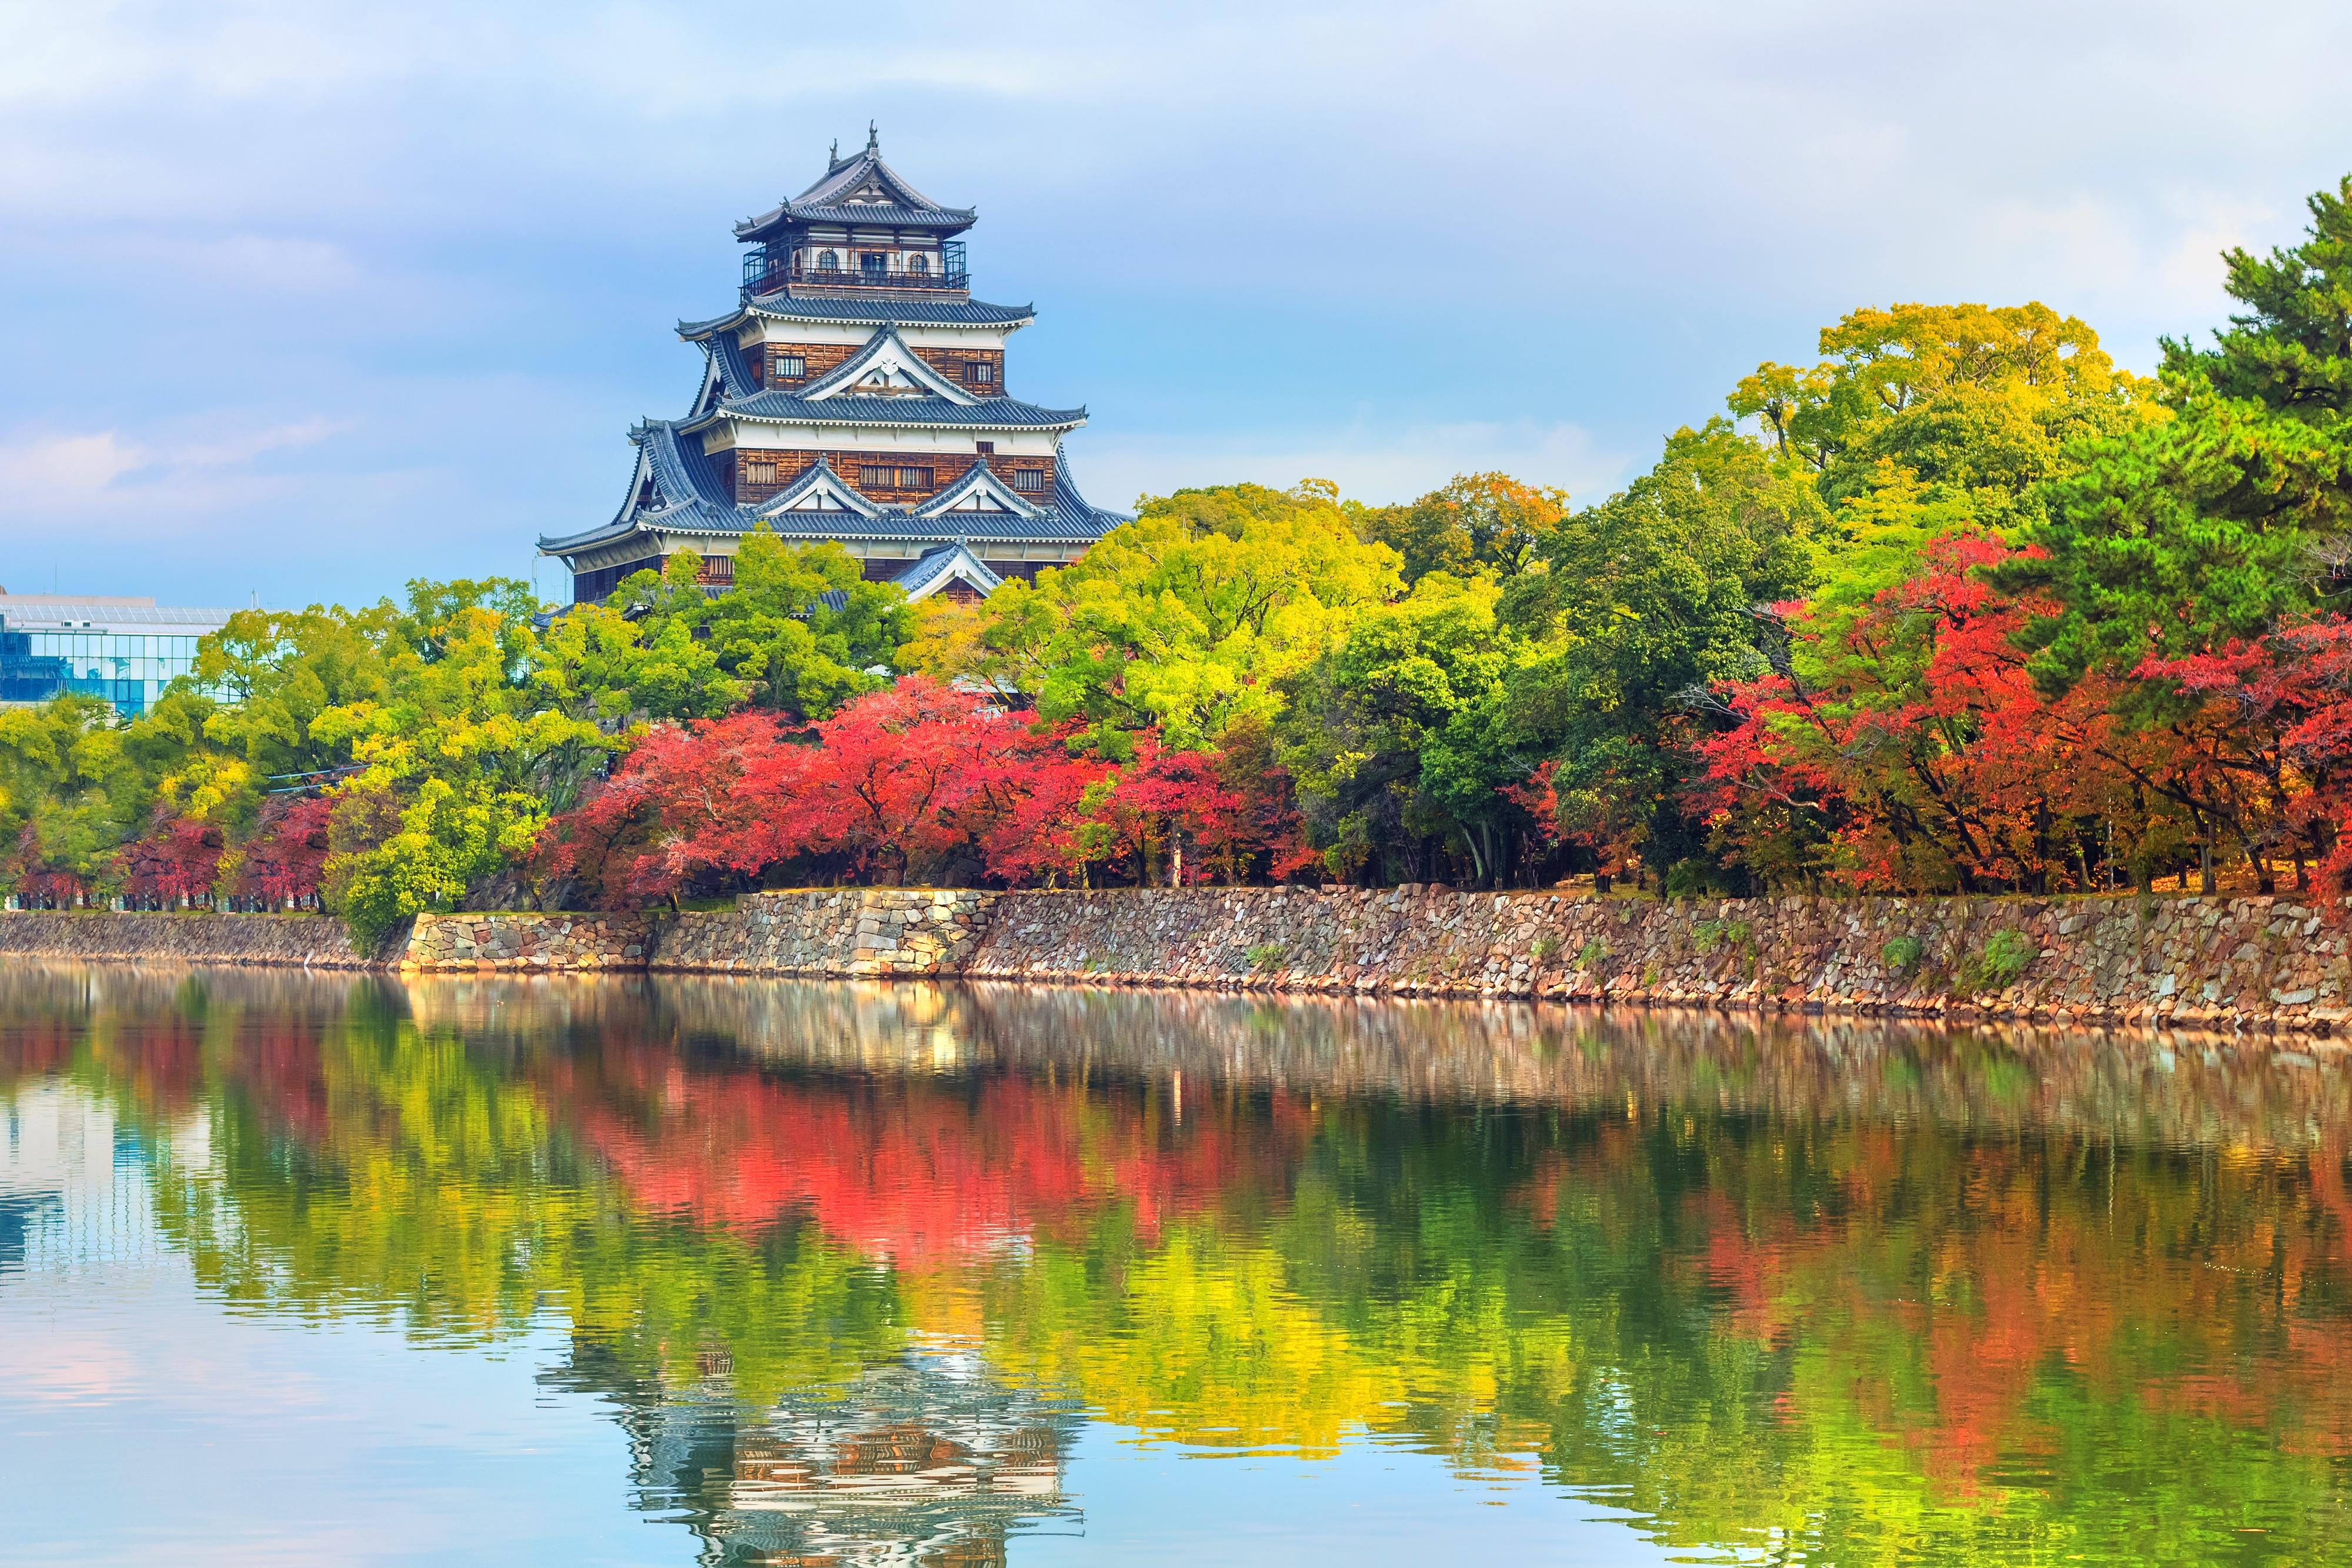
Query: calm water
[296,1269]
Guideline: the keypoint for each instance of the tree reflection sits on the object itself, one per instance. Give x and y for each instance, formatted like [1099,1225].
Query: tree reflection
[1830,1291]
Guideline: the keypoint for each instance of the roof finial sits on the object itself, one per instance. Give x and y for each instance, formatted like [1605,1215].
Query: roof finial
[833,154]
[873,138]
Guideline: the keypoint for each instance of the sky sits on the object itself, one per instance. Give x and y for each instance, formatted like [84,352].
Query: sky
[299,299]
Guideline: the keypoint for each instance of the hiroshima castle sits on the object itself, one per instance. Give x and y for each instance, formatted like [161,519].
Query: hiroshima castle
[856,393]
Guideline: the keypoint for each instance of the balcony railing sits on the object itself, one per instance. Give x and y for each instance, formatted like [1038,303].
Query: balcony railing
[761,278]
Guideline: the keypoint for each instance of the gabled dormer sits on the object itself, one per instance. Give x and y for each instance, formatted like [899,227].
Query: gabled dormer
[818,489]
[884,367]
[979,491]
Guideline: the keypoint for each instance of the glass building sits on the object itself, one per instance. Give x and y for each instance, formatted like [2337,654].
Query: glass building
[123,650]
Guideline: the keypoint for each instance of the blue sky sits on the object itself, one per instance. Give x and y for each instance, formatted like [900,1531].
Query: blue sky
[301,299]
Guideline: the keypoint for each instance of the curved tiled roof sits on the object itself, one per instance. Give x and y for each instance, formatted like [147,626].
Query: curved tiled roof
[867,313]
[907,411]
[734,372]
[1067,501]
[859,189]
[689,500]
[1050,526]
[942,562]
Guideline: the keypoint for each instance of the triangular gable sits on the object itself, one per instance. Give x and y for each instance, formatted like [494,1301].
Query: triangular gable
[944,566]
[980,490]
[818,489]
[863,177]
[884,367]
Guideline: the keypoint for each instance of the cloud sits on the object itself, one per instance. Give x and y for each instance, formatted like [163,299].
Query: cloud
[71,476]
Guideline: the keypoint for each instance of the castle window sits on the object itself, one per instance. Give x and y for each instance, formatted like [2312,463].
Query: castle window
[1030,479]
[886,476]
[790,367]
[918,264]
[871,264]
[760,471]
[987,448]
[828,262]
[979,373]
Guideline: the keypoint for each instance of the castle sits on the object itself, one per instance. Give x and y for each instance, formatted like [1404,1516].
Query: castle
[856,393]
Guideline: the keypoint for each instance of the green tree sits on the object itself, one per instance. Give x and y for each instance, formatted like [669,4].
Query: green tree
[277,671]
[1400,736]
[801,629]
[1647,599]
[1187,618]
[1479,523]
[596,663]
[2232,516]
[462,760]
[1969,398]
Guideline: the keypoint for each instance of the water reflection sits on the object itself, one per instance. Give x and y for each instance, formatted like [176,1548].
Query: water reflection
[854,1266]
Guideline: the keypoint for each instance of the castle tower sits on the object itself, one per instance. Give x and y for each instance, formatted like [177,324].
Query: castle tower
[857,393]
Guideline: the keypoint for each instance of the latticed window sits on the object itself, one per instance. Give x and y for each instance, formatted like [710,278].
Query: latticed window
[888,476]
[758,471]
[1030,479]
[979,373]
[790,367]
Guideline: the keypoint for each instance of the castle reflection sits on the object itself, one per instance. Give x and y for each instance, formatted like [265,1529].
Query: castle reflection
[854,1267]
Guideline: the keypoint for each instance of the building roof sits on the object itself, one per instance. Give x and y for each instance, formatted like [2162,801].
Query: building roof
[61,613]
[687,497]
[860,190]
[942,564]
[902,411]
[866,313]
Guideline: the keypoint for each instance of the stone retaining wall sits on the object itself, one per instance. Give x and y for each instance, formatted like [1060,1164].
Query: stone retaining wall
[493,942]
[312,941]
[2200,962]
[848,931]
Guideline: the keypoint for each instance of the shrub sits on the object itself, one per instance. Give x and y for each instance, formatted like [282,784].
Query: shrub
[1266,955]
[1593,951]
[1901,954]
[2006,956]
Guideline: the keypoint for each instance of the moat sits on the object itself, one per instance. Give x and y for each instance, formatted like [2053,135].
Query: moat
[676,1269]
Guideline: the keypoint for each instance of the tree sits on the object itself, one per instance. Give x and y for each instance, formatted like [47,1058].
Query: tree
[1401,737]
[1969,398]
[1646,600]
[2228,519]
[1487,524]
[598,664]
[177,862]
[278,670]
[1187,620]
[460,761]
[284,860]
[801,628]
